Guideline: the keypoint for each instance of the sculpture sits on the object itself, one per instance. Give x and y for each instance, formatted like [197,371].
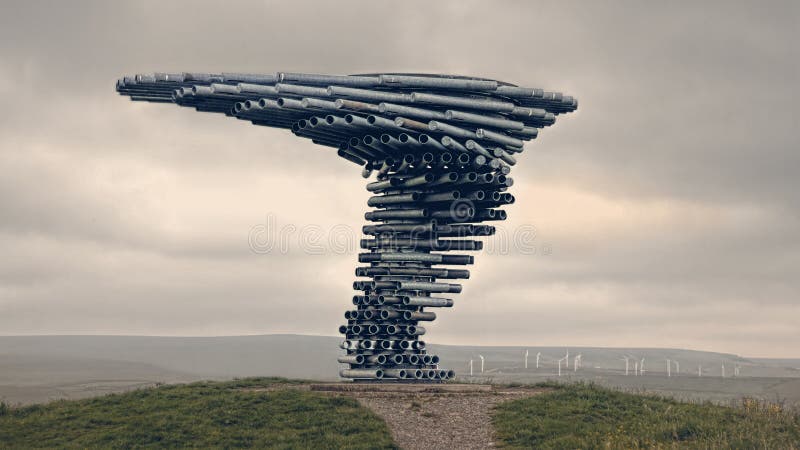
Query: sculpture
[441,148]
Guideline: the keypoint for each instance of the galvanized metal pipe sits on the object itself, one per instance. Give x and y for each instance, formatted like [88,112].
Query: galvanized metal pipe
[440,149]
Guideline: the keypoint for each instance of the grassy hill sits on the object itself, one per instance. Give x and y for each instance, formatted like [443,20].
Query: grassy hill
[278,413]
[588,416]
[247,413]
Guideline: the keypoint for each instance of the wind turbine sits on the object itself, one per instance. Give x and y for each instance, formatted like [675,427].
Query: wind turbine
[538,355]
[699,370]
[567,357]
[669,368]
[723,370]
[636,368]
[576,361]
[677,368]
[559,364]
[526,358]
[470,367]
[481,357]
[736,370]
[641,368]
[627,360]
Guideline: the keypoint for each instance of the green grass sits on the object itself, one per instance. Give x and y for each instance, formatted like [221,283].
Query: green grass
[206,415]
[588,416]
[268,413]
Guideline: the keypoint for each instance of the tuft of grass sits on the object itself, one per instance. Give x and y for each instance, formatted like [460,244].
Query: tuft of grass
[551,384]
[205,414]
[588,416]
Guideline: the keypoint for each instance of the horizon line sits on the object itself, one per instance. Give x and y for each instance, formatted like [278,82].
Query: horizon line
[432,343]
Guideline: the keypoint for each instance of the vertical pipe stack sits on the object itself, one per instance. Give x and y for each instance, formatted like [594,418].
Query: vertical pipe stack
[441,148]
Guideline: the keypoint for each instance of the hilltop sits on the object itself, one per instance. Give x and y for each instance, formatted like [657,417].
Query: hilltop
[279,413]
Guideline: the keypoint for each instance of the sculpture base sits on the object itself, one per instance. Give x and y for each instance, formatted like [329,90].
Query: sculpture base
[422,387]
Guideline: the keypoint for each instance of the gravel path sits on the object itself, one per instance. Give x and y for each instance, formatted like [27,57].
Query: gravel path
[428,417]
[439,420]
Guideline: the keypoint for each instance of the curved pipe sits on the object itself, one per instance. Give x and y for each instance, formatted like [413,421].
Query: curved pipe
[441,149]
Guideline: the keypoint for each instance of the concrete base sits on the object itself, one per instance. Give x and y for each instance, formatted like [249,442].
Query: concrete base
[401,387]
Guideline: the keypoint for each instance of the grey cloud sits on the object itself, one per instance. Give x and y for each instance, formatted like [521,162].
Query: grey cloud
[118,217]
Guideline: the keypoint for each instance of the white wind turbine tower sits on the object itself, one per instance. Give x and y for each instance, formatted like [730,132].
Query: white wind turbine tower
[699,370]
[627,360]
[526,358]
[723,370]
[736,370]
[641,368]
[636,368]
[677,368]
[538,355]
[559,364]
[669,368]
[481,357]
[576,362]
[567,357]
[470,367]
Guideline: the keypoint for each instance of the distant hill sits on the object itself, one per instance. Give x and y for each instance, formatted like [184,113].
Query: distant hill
[40,368]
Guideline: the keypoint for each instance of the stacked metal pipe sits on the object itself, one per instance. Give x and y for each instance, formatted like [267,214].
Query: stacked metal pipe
[441,149]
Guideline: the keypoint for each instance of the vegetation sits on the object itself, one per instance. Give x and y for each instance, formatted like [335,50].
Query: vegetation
[277,413]
[588,416]
[231,414]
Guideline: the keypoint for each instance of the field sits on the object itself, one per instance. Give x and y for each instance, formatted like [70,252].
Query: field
[278,413]
[37,369]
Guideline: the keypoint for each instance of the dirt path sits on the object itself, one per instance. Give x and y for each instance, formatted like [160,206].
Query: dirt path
[446,420]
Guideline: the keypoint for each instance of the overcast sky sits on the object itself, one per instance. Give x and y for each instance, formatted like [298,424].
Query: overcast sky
[666,208]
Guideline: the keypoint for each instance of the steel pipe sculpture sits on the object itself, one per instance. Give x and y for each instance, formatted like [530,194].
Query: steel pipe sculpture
[441,148]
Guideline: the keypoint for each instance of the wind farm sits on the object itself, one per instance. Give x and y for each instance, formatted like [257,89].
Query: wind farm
[41,368]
